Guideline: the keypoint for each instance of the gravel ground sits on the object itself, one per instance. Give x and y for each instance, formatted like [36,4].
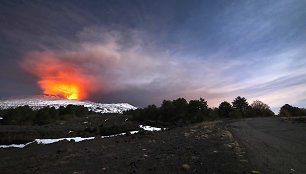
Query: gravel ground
[272,145]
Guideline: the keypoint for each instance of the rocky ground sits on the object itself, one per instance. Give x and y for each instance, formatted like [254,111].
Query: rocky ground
[200,148]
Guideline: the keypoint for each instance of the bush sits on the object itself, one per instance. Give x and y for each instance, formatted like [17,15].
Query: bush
[236,114]
[213,114]
[24,115]
[18,116]
[43,116]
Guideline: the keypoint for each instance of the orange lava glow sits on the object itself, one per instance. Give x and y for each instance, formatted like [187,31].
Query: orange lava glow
[57,77]
[69,91]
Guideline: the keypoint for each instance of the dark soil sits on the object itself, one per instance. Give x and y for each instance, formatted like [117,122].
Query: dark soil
[200,148]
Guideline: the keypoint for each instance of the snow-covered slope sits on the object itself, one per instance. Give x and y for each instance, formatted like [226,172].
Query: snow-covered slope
[40,101]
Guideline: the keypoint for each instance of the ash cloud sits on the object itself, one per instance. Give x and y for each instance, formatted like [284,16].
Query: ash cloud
[126,67]
[110,68]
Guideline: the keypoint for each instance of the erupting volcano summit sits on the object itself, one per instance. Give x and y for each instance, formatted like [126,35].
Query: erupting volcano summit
[58,77]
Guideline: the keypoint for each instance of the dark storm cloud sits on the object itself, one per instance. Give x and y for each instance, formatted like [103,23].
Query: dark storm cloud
[147,51]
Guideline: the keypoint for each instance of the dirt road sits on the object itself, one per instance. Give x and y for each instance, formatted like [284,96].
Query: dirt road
[272,145]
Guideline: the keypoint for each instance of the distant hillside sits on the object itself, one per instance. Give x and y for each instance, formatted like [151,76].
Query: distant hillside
[40,101]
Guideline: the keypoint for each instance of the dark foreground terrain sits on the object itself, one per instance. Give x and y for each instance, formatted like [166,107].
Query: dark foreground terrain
[200,148]
[258,145]
[273,145]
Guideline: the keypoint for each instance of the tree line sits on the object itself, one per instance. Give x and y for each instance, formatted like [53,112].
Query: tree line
[291,111]
[179,110]
[24,115]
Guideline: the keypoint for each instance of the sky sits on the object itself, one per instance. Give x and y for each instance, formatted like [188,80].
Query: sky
[143,52]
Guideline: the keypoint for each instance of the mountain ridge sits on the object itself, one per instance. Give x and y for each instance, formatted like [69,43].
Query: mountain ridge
[39,101]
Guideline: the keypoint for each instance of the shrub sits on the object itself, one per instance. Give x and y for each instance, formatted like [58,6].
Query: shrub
[24,115]
[236,114]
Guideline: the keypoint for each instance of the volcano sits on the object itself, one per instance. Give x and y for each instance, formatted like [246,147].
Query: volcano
[45,100]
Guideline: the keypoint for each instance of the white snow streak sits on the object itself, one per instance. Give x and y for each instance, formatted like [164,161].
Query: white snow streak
[150,128]
[47,141]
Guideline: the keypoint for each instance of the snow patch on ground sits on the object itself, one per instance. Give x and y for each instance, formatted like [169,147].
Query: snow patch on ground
[16,145]
[133,132]
[115,135]
[150,128]
[50,141]
[47,141]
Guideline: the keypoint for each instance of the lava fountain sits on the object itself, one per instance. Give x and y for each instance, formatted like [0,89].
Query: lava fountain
[59,77]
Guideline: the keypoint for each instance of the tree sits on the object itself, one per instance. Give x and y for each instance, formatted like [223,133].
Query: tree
[167,111]
[288,111]
[260,109]
[224,109]
[81,111]
[197,110]
[151,112]
[197,105]
[213,114]
[241,104]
